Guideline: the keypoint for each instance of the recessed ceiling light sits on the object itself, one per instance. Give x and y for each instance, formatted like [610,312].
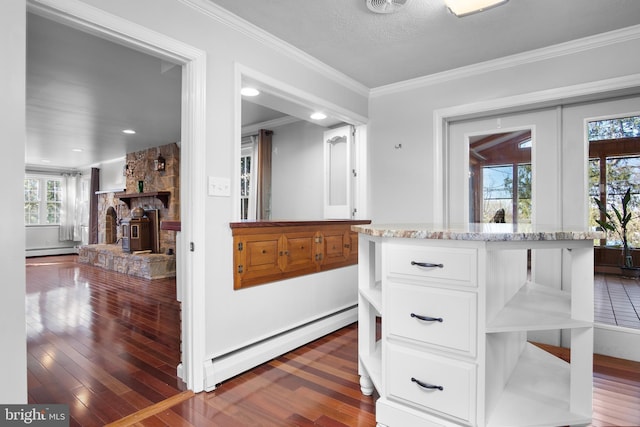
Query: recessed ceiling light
[318,116]
[249,91]
[77,150]
[129,131]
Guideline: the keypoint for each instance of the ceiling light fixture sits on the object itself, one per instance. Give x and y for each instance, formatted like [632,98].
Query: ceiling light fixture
[129,131]
[249,91]
[386,6]
[77,150]
[318,116]
[462,8]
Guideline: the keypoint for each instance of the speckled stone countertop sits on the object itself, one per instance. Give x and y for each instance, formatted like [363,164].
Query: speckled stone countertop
[490,232]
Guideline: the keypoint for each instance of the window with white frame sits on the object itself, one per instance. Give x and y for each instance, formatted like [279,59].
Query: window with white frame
[247,182]
[507,187]
[614,167]
[42,199]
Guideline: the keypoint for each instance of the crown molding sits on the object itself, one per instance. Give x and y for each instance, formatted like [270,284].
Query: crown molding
[555,51]
[50,170]
[246,28]
[255,128]
[79,15]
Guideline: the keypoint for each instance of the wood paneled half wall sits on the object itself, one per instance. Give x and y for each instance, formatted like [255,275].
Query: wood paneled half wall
[267,251]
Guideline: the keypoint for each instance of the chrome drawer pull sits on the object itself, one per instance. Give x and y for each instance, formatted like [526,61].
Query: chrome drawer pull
[425,385]
[427,264]
[427,318]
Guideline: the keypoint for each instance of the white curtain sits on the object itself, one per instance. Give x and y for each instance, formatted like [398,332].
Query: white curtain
[70,208]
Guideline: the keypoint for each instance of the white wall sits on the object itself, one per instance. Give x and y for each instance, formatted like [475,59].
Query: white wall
[43,240]
[236,318]
[405,114]
[297,172]
[111,176]
[13,357]
[402,179]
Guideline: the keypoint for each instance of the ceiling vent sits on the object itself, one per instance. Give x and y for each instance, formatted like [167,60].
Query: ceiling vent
[385,6]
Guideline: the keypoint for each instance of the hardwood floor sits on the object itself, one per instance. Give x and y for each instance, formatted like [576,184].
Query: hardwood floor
[108,344]
[105,343]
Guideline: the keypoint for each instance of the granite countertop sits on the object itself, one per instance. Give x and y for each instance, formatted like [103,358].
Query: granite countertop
[489,232]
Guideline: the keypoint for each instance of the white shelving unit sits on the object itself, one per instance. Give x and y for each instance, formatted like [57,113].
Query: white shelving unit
[443,322]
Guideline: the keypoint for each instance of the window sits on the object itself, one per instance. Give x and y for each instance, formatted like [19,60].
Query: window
[500,191]
[627,127]
[42,200]
[500,177]
[614,166]
[245,185]
[248,179]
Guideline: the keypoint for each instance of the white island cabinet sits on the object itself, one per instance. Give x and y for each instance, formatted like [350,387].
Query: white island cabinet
[443,322]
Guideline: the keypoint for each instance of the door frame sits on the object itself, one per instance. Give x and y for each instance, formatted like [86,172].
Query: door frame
[190,278]
[606,339]
[591,91]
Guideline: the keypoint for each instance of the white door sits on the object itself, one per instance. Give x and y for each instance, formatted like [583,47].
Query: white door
[338,147]
[546,207]
[610,340]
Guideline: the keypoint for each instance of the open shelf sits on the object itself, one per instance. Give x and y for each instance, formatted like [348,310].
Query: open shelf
[536,307]
[512,383]
[163,196]
[537,393]
[373,296]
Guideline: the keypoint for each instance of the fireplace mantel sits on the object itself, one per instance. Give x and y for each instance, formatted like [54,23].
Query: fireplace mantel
[163,196]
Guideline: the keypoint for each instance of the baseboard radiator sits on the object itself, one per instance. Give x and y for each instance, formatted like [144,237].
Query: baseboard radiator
[66,250]
[231,364]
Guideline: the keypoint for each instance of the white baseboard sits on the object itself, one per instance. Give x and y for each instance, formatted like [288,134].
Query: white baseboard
[224,367]
[70,250]
[616,341]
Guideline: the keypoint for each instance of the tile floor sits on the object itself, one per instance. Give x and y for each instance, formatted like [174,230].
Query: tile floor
[617,300]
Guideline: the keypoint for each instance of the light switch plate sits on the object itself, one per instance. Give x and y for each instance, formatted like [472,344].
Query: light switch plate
[219,187]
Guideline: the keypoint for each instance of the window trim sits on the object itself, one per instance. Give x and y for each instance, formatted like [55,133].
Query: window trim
[603,149]
[42,202]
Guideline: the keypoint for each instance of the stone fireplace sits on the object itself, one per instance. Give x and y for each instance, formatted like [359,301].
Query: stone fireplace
[159,200]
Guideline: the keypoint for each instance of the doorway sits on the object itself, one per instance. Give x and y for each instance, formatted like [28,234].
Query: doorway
[559,181]
[190,276]
[615,335]
[504,148]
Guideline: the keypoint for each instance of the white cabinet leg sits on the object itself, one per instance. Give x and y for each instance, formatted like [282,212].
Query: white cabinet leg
[366,385]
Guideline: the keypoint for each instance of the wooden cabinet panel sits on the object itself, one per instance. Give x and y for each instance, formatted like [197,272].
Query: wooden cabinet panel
[257,257]
[267,251]
[299,251]
[335,246]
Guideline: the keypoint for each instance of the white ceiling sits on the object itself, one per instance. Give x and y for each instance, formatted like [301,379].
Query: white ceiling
[424,38]
[80,93]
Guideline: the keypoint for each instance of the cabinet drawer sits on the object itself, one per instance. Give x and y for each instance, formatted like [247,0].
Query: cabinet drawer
[456,310]
[407,367]
[451,265]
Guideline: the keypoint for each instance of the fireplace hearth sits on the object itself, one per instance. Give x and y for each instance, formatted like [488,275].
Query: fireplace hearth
[112,257]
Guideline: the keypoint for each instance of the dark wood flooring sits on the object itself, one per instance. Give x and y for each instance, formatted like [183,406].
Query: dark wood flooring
[108,345]
[105,343]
